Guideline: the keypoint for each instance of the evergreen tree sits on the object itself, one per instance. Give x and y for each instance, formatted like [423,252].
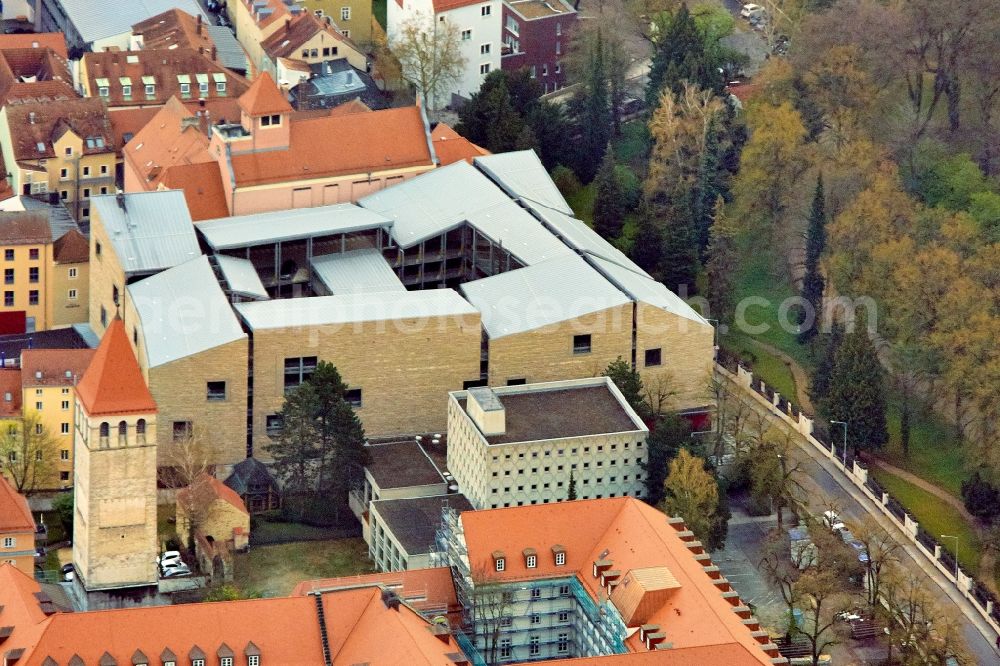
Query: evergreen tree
[721,266]
[552,130]
[571,491]
[628,381]
[857,391]
[667,436]
[595,114]
[679,263]
[708,187]
[679,55]
[647,250]
[824,369]
[609,202]
[813,283]
[489,118]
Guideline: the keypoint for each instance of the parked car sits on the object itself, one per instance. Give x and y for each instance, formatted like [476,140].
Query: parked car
[860,549]
[169,558]
[750,9]
[68,572]
[176,570]
[832,520]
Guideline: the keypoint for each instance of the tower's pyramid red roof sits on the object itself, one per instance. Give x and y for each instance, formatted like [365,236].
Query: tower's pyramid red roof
[113,383]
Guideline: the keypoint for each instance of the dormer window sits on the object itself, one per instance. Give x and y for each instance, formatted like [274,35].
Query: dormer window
[253,660]
[530,558]
[559,555]
[273,120]
[499,560]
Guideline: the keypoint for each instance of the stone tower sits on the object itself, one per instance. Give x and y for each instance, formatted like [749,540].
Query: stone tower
[114,531]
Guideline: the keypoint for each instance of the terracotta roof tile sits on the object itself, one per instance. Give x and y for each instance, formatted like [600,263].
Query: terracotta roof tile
[71,248]
[365,142]
[219,490]
[127,122]
[286,41]
[31,74]
[423,589]
[203,190]
[10,384]
[174,136]
[15,516]
[164,65]
[450,146]
[52,40]
[347,108]
[173,27]
[53,364]
[24,228]
[87,118]
[113,383]
[263,97]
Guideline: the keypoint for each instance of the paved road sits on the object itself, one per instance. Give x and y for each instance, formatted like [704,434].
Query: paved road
[824,482]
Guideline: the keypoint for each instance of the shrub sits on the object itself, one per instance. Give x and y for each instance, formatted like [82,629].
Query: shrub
[982,499]
[566,180]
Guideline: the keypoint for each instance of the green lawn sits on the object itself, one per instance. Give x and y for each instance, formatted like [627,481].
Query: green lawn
[582,203]
[768,367]
[276,570]
[273,532]
[935,453]
[936,517]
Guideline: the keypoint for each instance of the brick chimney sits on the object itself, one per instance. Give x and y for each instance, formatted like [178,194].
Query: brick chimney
[198,25]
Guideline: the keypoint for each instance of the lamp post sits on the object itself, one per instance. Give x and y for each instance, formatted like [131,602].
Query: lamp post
[949,536]
[841,423]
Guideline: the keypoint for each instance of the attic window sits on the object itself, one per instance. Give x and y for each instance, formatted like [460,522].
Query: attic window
[559,554]
[40,146]
[499,561]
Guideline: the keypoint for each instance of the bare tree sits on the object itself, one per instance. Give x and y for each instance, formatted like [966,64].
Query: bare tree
[430,56]
[492,612]
[823,590]
[188,461]
[924,631]
[28,453]
[883,552]
[775,474]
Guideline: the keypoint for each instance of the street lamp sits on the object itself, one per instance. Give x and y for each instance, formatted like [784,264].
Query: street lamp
[948,536]
[845,439]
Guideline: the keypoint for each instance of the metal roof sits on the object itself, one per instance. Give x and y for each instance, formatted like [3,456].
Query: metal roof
[579,236]
[228,50]
[643,288]
[350,308]
[546,293]
[523,176]
[241,276]
[98,19]
[183,312]
[286,225]
[150,231]
[356,272]
[439,200]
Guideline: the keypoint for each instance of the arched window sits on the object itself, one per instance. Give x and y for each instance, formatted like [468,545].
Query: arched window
[105,429]
[140,431]
[122,428]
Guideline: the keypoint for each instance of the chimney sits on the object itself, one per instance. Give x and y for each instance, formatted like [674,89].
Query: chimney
[201,50]
[198,28]
[390,599]
[486,411]
[441,631]
[120,200]
[31,117]
[288,24]
[214,52]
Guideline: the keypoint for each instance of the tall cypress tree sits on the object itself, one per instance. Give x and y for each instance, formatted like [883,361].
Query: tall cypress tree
[647,250]
[609,203]
[680,54]
[595,122]
[857,391]
[813,283]
[721,265]
[679,264]
[707,188]
[824,369]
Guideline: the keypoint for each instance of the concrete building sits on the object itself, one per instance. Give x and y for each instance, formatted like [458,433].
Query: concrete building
[48,388]
[114,531]
[610,579]
[397,470]
[17,529]
[403,531]
[536,35]
[518,445]
[63,147]
[478,23]
[96,26]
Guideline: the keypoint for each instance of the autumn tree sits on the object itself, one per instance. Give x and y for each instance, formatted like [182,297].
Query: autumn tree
[29,453]
[430,56]
[492,610]
[883,554]
[187,460]
[693,494]
[667,436]
[775,473]
[609,202]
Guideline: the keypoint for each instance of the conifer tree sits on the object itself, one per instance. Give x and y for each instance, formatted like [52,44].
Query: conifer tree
[647,250]
[722,264]
[679,263]
[824,369]
[595,120]
[609,203]
[857,391]
[813,283]
[571,491]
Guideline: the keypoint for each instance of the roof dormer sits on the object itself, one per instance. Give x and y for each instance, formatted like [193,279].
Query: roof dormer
[499,561]
[530,558]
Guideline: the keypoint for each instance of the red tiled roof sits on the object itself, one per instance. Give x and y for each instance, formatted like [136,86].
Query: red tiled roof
[447,5]
[203,190]
[365,142]
[174,136]
[173,28]
[347,108]
[41,40]
[127,122]
[10,383]
[113,383]
[285,42]
[33,74]
[263,97]
[15,516]
[24,228]
[71,248]
[219,490]
[424,589]
[638,541]
[164,65]
[450,146]
[87,118]
[54,364]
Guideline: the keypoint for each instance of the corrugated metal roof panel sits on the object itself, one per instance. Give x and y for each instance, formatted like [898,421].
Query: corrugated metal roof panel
[350,308]
[579,236]
[228,49]
[546,293]
[241,276]
[285,225]
[442,199]
[523,176]
[356,272]
[151,232]
[643,288]
[99,19]
[183,312]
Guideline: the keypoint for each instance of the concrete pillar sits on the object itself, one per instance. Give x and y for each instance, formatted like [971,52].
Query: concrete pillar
[885,499]
[776,399]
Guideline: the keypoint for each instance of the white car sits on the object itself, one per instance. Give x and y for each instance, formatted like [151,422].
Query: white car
[750,9]
[180,569]
[832,520]
[169,558]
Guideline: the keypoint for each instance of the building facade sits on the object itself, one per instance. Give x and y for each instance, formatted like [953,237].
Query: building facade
[353,17]
[17,529]
[520,445]
[536,34]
